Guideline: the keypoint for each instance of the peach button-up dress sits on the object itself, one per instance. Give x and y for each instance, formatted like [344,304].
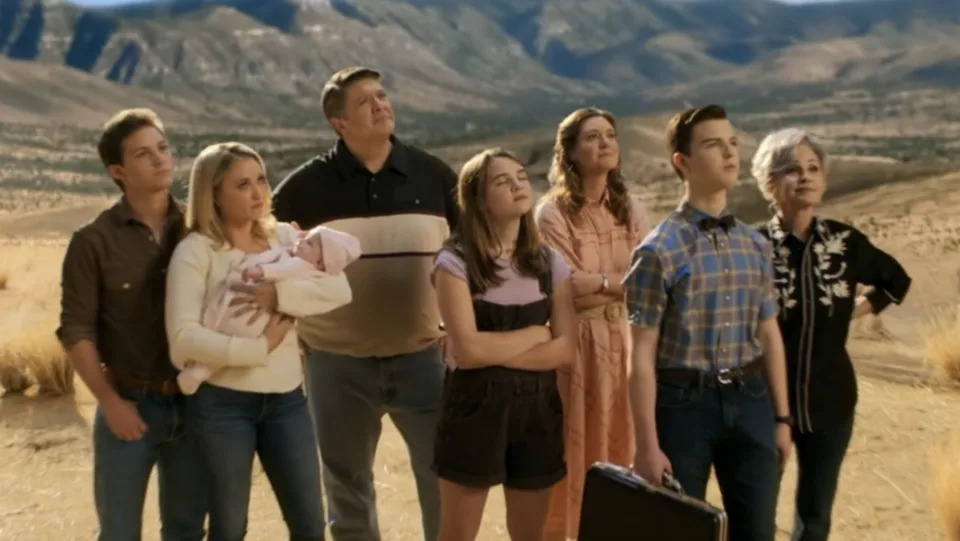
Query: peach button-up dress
[598,424]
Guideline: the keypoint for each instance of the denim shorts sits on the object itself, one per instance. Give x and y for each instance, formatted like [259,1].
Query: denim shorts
[501,426]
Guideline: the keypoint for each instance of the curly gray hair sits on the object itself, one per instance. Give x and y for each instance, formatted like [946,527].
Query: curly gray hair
[775,154]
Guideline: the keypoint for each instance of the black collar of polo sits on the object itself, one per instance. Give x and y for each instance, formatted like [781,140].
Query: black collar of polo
[348,164]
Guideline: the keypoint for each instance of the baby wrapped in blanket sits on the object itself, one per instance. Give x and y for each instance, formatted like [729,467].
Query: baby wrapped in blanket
[322,251]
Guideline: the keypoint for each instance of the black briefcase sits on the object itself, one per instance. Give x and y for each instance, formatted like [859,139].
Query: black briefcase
[619,505]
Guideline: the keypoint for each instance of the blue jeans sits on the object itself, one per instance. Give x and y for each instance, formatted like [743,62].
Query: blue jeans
[349,397]
[732,428]
[121,471]
[819,456]
[230,426]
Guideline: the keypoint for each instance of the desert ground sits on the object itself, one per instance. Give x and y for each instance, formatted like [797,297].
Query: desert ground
[896,484]
[907,413]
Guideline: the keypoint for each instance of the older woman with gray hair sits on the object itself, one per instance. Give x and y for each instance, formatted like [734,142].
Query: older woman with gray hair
[818,264]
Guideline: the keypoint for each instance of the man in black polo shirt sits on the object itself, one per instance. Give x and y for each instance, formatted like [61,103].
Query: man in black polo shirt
[379,354]
[111,325]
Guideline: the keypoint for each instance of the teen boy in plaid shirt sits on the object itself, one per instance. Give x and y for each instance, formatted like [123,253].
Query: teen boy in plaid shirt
[708,385]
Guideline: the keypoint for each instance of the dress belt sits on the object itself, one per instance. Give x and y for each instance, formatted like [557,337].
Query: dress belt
[613,311]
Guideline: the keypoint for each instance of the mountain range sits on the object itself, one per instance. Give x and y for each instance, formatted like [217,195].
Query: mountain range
[470,64]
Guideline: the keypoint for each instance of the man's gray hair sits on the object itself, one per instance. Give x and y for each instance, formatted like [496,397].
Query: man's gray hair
[775,154]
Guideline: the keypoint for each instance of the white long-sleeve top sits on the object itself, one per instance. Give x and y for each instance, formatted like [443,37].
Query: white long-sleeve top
[197,269]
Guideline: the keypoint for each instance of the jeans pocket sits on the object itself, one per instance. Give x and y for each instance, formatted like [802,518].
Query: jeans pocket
[755,387]
[672,395]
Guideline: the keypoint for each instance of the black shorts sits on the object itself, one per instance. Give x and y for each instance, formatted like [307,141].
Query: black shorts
[501,426]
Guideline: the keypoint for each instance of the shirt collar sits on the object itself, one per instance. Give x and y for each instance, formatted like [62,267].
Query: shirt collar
[779,235]
[348,164]
[604,198]
[123,212]
[693,214]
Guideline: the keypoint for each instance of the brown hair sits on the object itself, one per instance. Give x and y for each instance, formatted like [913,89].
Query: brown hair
[680,129]
[116,130]
[334,95]
[206,177]
[568,184]
[475,241]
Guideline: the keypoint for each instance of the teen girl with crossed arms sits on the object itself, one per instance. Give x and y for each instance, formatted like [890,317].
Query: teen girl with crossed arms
[499,286]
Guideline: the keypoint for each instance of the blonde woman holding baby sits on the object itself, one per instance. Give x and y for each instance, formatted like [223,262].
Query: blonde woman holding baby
[320,252]
[248,398]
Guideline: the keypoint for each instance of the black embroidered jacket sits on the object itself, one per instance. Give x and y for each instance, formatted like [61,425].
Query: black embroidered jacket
[817,283]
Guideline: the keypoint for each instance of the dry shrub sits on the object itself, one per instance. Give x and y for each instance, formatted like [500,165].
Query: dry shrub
[942,338]
[36,357]
[4,279]
[13,379]
[30,354]
[946,487]
[870,327]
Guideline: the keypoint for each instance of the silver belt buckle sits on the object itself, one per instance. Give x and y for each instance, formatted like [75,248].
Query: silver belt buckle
[723,376]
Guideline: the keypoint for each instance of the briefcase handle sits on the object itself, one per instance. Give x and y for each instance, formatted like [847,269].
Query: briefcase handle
[669,481]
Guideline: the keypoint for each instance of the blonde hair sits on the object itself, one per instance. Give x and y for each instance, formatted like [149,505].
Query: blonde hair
[209,169]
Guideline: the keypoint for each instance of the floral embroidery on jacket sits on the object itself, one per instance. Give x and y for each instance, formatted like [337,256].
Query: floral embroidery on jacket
[827,246]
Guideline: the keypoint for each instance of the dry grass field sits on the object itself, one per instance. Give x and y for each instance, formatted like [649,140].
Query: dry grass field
[891,178]
[899,483]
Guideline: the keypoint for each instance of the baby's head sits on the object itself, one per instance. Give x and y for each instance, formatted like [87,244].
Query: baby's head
[310,247]
[327,249]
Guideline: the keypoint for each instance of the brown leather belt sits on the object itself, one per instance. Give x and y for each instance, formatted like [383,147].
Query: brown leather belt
[613,311]
[724,376]
[120,379]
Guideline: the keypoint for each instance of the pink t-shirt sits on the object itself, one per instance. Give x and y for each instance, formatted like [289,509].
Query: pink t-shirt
[515,289]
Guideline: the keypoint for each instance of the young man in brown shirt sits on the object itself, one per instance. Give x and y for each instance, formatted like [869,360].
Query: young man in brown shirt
[112,327]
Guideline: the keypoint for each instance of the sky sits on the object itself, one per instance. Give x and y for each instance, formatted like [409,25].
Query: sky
[112,2]
[104,2]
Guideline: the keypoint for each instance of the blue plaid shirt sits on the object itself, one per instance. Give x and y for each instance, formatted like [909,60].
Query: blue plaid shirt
[706,290]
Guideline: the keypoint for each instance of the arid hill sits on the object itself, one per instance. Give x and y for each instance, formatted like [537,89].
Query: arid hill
[462,67]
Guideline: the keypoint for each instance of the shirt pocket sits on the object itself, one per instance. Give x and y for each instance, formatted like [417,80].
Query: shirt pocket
[587,247]
[126,295]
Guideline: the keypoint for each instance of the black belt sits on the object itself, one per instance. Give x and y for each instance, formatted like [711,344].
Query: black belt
[723,377]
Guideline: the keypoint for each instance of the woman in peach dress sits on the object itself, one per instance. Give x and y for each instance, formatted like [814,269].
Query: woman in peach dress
[590,218]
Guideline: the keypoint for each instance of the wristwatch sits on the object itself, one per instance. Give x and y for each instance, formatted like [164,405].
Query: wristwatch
[785,419]
[605,284]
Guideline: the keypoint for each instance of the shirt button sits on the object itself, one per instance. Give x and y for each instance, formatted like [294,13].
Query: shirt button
[727,298]
[374,196]
[727,324]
